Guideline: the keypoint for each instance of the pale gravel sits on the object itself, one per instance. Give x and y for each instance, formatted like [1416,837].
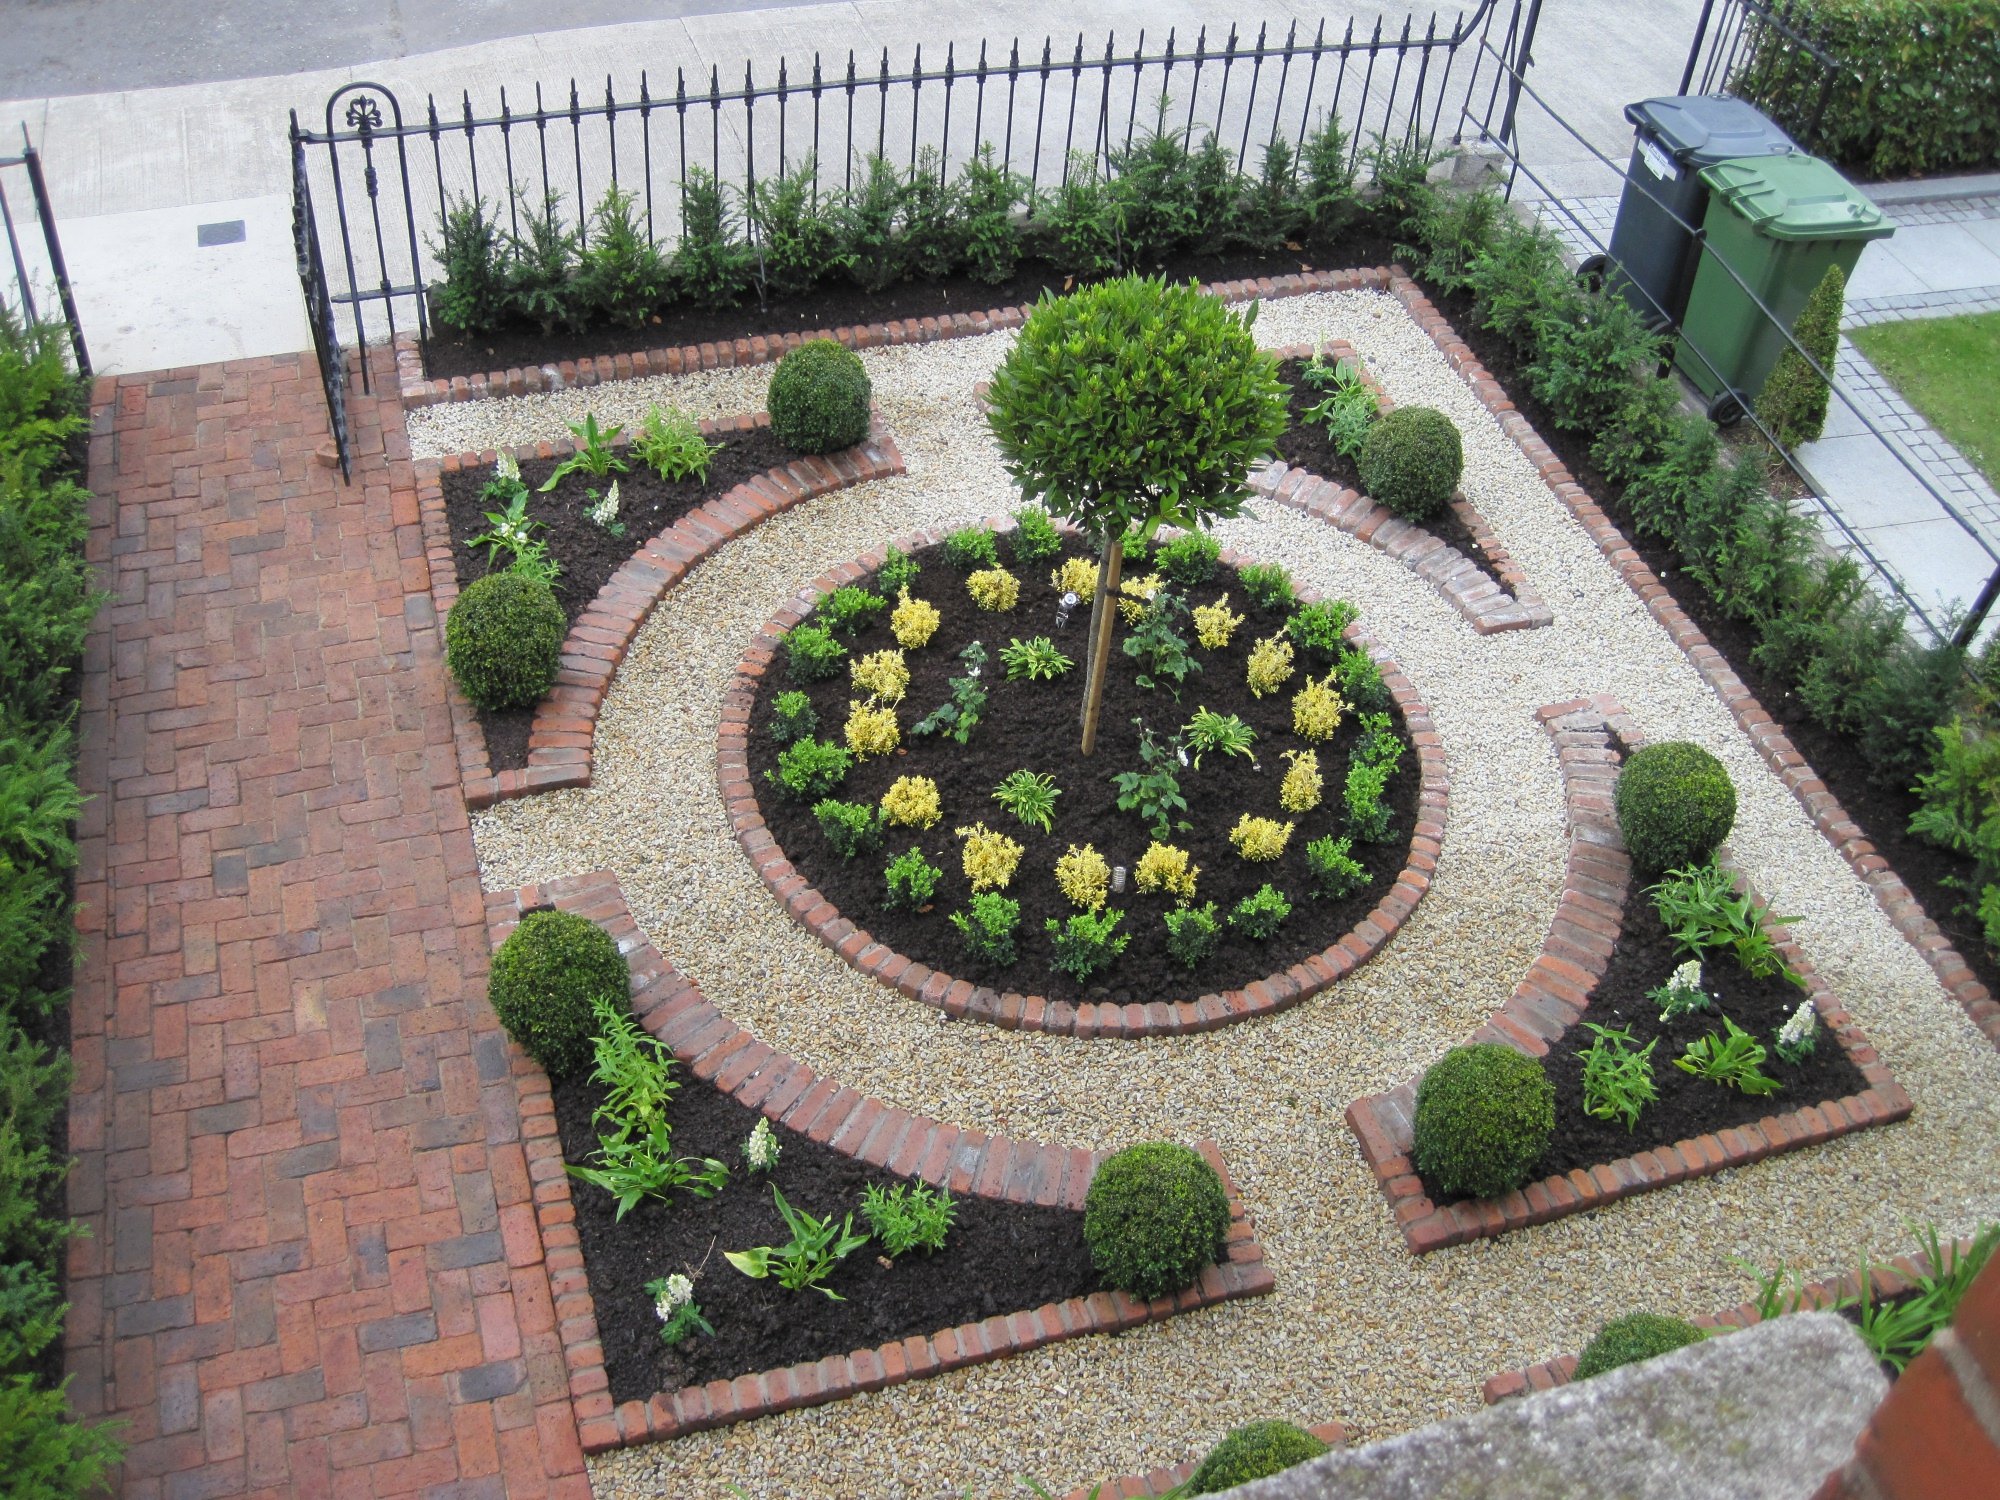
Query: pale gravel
[1357,1329]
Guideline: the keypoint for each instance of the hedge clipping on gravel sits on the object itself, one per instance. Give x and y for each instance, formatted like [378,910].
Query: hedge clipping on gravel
[819,398]
[1253,1452]
[503,640]
[1154,1216]
[1484,1116]
[1675,803]
[1411,461]
[1636,1336]
[544,980]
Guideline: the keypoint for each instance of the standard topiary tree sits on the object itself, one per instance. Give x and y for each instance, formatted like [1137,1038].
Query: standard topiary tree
[1411,460]
[819,398]
[1675,803]
[1793,401]
[1132,405]
[1484,1116]
[503,640]
[1253,1452]
[1154,1216]
[545,980]
[1636,1336]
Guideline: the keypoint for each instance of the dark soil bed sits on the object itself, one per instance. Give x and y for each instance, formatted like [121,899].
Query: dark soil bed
[586,552]
[1305,445]
[1882,811]
[840,304]
[1033,725]
[1000,1257]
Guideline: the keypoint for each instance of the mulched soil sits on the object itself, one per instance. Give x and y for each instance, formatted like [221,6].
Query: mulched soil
[1000,1257]
[1882,811]
[587,553]
[843,305]
[1305,445]
[1034,725]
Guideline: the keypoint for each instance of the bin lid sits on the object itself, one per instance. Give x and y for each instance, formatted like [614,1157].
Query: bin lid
[1796,198]
[1701,129]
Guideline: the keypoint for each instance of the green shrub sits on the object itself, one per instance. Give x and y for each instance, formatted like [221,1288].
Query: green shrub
[711,266]
[1484,1116]
[1318,630]
[471,251]
[1155,1214]
[44,1454]
[1589,355]
[810,770]
[819,398]
[1190,559]
[847,609]
[545,983]
[1637,436]
[987,194]
[988,928]
[1636,1336]
[1519,282]
[1192,934]
[1675,803]
[1259,916]
[913,880]
[792,717]
[1334,873]
[34,1089]
[1269,585]
[1086,944]
[851,827]
[811,653]
[1253,1452]
[1035,538]
[898,571]
[1411,461]
[797,241]
[971,548]
[623,276]
[1361,681]
[503,640]
[1793,401]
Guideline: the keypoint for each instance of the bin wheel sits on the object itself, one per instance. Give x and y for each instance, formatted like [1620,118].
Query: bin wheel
[1726,410]
[1591,271]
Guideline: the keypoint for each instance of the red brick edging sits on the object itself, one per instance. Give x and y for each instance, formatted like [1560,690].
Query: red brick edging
[1156,1482]
[960,998]
[1901,906]
[791,1093]
[1554,996]
[561,744]
[1883,1281]
[1484,604]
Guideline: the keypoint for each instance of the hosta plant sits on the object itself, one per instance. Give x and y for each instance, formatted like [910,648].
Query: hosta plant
[1208,731]
[1037,660]
[1030,797]
[816,1247]
[1731,1060]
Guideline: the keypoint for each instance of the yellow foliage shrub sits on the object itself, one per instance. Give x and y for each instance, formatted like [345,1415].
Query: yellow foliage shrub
[871,730]
[1084,877]
[990,858]
[914,621]
[912,802]
[994,588]
[1303,784]
[1077,575]
[1270,665]
[1214,624]
[1260,838]
[882,675]
[1136,593]
[1316,710]
[1165,868]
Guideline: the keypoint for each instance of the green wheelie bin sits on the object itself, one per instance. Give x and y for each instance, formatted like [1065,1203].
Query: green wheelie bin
[1778,222]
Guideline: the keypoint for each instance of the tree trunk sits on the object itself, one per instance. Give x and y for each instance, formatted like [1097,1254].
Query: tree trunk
[1102,613]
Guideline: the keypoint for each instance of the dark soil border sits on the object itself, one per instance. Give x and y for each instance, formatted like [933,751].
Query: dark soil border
[792,1094]
[562,738]
[1779,752]
[1591,735]
[961,998]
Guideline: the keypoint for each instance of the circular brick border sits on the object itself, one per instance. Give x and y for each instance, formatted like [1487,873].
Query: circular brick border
[960,998]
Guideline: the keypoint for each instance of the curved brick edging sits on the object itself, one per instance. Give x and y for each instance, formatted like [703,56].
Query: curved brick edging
[561,743]
[960,998]
[417,390]
[1897,1277]
[788,1091]
[1485,605]
[1895,898]
[1588,733]
[1157,1482]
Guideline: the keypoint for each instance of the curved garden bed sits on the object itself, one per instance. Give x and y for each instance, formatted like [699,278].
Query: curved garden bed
[1032,725]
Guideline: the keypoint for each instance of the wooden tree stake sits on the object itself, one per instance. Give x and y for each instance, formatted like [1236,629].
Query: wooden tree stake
[1102,612]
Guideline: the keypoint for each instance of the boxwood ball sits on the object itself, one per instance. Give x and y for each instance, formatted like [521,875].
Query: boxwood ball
[503,640]
[1484,1116]
[1154,1216]
[819,398]
[1636,1336]
[1675,803]
[1411,460]
[1253,1452]
[544,984]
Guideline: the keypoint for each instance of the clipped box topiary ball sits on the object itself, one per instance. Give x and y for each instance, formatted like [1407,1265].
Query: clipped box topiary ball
[1154,1216]
[819,398]
[1253,1452]
[1484,1116]
[1675,803]
[545,981]
[503,640]
[1411,461]
[1636,1336]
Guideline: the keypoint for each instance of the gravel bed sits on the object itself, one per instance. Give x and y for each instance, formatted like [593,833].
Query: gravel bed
[1357,1329]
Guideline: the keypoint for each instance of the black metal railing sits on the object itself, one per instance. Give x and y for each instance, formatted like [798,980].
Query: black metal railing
[319,309]
[1044,113]
[1774,49]
[29,270]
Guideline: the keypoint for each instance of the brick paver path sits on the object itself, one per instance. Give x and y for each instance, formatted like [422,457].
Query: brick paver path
[313,1268]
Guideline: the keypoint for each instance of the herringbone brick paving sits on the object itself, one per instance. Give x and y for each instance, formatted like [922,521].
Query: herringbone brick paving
[312,1266]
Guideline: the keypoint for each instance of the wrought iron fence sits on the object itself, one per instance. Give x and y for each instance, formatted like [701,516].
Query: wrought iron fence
[1044,113]
[31,265]
[319,308]
[1777,45]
